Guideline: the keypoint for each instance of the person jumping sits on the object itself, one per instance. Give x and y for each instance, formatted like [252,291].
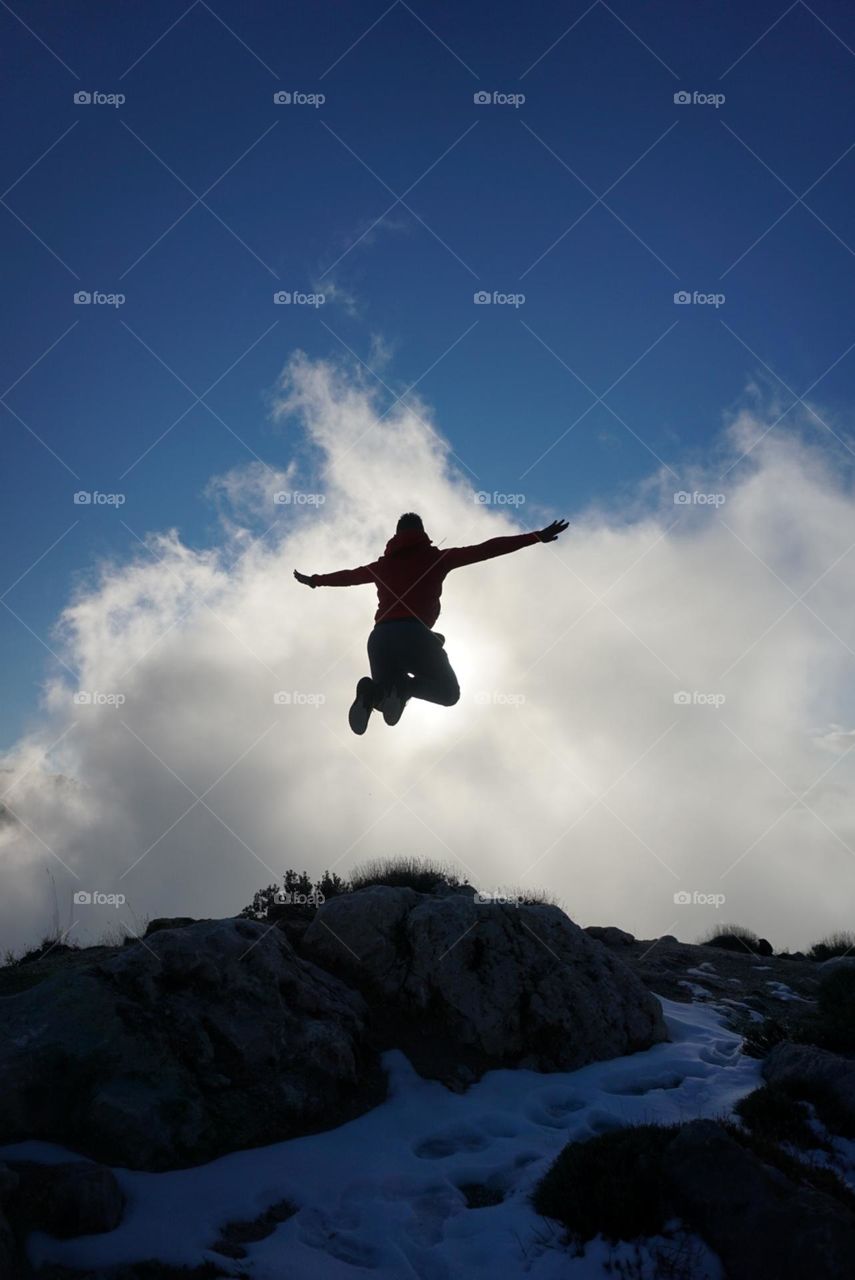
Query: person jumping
[406,656]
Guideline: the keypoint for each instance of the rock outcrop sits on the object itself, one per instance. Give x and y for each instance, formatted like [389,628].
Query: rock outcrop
[194,1042]
[610,935]
[212,1036]
[805,1064]
[72,1198]
[502,985]
[9,1254]
[762,1225]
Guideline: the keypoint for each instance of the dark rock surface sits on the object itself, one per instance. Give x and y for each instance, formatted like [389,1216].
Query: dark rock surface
[762,1225]
[505,985]
[197,1041]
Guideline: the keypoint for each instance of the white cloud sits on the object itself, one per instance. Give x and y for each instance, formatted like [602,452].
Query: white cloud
[198,788]
[246,495]
[336,293]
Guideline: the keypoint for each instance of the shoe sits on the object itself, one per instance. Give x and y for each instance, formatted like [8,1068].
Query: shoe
[363,705]
[393,704]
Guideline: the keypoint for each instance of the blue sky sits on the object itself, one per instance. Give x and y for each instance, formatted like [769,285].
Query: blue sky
[199,197]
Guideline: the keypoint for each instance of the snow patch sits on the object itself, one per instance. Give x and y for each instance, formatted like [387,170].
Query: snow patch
[382,1194]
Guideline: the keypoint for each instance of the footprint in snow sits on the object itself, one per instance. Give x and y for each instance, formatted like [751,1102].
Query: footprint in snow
[497,1125]
[451,1142]
[720,1053]
[317,1231]
[430,1209]
[636,1087]
[604,1122]
[554,1110]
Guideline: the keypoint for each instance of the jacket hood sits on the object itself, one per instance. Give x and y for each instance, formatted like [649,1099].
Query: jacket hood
[407,543]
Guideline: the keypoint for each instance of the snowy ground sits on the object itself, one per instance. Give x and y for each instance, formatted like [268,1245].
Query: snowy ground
[380,1195]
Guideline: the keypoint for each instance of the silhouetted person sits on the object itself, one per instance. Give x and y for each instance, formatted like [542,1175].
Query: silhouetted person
[407,658]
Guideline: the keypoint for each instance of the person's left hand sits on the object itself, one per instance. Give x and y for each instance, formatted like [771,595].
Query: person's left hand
[301,577]
[551,532]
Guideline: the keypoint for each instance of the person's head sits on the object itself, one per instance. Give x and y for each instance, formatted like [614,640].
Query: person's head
[409,520]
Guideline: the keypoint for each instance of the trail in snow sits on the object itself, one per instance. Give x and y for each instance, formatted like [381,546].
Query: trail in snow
[381,1194]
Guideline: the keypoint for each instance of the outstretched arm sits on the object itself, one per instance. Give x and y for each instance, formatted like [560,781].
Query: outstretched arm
[341,578]
[456,557]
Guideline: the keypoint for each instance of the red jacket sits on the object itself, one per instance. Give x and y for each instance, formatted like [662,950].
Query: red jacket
[410,573]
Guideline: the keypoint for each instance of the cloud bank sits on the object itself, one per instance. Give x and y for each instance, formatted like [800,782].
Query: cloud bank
[656,707]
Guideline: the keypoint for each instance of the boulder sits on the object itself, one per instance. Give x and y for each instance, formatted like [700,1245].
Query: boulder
[73,1198]
[761,1224]
[736,942]
[194,1042]
[790,1063]
[9,1256]
[610,935]
[464,986]
[152,1270]
[836,962]
[168,922]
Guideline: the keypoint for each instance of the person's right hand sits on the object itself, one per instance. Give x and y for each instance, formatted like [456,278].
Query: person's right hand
[551,532]
[302,577]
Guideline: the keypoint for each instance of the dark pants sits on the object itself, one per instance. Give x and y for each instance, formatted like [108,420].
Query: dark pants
[405,652]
